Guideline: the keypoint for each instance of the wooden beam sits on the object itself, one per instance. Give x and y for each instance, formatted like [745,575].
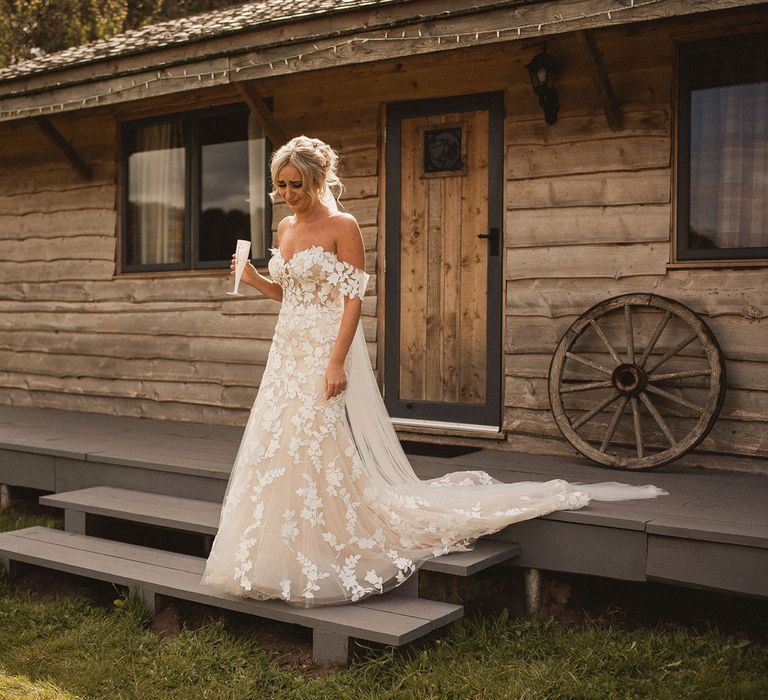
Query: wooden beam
[55,137]
[601,80]
[262,113]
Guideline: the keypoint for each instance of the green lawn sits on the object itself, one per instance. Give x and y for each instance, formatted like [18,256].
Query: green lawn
[74,647]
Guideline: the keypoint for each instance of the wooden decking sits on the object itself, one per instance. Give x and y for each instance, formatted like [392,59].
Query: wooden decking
[710,532]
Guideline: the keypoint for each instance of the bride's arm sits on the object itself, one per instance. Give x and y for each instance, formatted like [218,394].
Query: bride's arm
[255,279]
[349,249]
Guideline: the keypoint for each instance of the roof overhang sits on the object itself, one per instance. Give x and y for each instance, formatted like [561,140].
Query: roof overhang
[370,34]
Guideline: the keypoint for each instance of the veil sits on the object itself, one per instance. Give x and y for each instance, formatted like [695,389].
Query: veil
[378,445]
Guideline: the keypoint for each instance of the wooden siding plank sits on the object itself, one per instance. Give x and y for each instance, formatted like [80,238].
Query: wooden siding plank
[55,224]
[734,437]
[49,197]
[601,155]
[629,260]
[44,249]
[708,292]
[143,407]
[64,365]
[32,175]
[574,127]
[588,225]
[239,351]
[740,338]
[740,404]
[590,190]
[237,397]
[193,322]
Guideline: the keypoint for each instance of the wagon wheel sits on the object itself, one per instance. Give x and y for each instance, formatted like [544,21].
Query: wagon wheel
[636,382]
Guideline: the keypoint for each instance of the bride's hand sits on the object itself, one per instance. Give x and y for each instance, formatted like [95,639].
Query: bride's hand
[335,380]
[249,273]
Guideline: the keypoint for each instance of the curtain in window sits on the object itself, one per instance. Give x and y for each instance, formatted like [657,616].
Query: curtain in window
[729,166]
[257,187]
[156,194]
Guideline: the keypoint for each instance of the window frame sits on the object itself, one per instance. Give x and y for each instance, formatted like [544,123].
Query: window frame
[192,191]
[685,52]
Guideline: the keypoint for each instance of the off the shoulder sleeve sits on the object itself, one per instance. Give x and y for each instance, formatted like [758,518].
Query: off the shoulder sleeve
[350,280]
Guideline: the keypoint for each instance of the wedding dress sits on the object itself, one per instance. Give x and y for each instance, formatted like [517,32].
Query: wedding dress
[322,505]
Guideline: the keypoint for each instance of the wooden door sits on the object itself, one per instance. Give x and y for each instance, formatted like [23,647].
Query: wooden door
[443,264]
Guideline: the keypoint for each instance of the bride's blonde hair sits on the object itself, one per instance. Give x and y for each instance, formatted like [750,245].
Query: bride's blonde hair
[314,159]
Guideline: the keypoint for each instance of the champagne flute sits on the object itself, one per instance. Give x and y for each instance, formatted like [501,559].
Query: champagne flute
[241,257]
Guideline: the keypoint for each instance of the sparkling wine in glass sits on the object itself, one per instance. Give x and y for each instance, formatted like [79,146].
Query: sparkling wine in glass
[241,257]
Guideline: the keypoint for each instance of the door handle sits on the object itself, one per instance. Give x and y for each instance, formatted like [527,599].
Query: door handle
[493,241]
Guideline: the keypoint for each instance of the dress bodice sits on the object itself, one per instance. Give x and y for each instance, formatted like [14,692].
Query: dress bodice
[315,279]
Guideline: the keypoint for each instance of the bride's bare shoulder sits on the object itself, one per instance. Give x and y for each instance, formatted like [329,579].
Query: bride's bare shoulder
[285,224]
[345,224]
[343,216]
[349,239]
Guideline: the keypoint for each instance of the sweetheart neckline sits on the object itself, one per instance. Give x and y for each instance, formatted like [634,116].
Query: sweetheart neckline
[303,250]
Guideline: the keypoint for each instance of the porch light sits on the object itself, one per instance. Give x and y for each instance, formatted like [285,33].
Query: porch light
[543,71]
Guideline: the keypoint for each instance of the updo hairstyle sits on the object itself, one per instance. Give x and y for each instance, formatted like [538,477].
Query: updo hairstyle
[314,159]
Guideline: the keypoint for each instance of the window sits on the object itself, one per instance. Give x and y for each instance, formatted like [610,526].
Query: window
[444,150]
[193,185]
[723,149]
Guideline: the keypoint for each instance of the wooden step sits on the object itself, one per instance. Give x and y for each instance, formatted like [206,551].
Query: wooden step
[388,619]
[186,514]
[485,554]
[203,517]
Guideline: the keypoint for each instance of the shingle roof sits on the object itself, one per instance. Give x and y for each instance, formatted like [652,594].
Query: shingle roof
[187,29]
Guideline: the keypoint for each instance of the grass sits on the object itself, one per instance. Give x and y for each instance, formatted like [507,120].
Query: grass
[73,647]
[20,687]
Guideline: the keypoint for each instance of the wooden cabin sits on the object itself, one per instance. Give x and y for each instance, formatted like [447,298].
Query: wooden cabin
[129,167]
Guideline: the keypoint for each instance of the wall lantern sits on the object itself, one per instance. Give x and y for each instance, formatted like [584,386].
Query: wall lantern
[543,72]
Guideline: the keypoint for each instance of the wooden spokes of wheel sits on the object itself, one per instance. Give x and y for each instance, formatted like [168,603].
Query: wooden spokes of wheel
[636,382]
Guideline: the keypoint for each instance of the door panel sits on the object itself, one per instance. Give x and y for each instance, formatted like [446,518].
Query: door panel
[444,265]
[442,355]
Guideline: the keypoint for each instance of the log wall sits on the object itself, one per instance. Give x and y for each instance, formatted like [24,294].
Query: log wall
[588,216]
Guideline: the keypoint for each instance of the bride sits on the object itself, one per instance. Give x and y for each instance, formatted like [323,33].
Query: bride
[322,505]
